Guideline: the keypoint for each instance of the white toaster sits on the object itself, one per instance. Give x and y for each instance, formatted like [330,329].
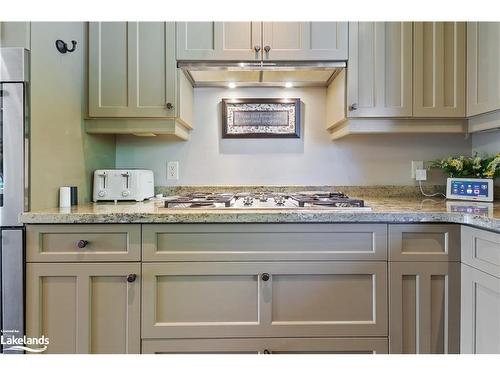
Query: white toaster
[123,185]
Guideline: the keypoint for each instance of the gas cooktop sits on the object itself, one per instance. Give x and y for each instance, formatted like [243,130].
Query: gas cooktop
[267,200]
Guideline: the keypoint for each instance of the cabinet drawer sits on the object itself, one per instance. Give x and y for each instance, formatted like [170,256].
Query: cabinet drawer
[273,299]
[267,346]
[103,243]
[226,242]
[481,249]
[424,242]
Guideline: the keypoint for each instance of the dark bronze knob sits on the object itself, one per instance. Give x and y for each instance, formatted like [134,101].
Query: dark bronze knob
[267,49]
[170,106]
[353,107]
[131,278]
[266,351]
[82,243]
[256,48]
[265,277]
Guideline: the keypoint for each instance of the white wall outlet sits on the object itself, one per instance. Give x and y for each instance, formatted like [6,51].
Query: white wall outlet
[173,170]
[416,164]
[421,174]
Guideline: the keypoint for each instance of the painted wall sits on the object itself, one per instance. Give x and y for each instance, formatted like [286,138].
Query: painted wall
[61,152]
[312,159]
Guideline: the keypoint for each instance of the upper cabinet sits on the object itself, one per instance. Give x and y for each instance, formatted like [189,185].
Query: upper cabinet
[401,78]
[133,74]
[219,40]
[379,77]
[439,69]
[304,40]
[483,67]
[261,41]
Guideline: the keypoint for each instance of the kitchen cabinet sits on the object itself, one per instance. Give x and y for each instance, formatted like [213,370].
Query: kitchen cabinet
[133,74]
[384,91]
[379,75]
[483,67]
[259,299]
[480,298]
[83,243]
[254,242]
[424,242]
[439,69]
[219,41]
[248,41]
[267,346]
[304,41]
[424,307]
[84,308]
[480,323]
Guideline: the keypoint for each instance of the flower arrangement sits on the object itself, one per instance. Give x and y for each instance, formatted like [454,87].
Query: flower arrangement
[470,166]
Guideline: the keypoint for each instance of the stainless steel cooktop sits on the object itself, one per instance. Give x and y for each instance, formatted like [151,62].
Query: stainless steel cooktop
[267,200]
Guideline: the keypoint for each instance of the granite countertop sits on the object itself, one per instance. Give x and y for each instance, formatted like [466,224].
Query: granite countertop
[395,210]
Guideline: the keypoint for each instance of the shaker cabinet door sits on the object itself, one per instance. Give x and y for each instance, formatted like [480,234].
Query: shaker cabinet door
[84,308]
[264,299]
[424,307]
[480,323]
[483,67]
[219,41]
[304,41]
[379,72]
[132,69]
[439,69]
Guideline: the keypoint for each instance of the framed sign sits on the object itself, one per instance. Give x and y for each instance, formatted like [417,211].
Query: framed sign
[261,118]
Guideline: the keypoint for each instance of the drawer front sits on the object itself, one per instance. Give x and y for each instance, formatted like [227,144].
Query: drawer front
[424,242]
[267,346]
[102,243]
[481,249]
[294,299]
[239,242]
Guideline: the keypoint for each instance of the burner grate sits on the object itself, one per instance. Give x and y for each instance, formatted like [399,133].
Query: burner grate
[202,199]
[330,199]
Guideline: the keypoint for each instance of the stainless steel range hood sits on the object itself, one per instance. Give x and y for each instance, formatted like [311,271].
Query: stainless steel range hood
[260,74]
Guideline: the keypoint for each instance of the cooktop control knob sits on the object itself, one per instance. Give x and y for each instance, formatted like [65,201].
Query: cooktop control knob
[101,193]
[125,193]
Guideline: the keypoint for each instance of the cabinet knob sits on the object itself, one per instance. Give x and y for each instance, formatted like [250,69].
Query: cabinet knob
[266,351]
[353,107]
[82,243]
[131,278]
[265,277]
[267,49]
[170,106]
[256,48]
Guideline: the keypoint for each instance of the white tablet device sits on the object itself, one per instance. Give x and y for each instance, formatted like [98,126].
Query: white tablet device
[470,189]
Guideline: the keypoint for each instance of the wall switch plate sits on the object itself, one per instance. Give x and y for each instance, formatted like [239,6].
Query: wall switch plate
[421,174]
[416,164]
[173,170]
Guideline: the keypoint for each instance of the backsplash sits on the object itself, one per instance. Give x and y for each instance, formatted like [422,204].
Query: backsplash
[313,159]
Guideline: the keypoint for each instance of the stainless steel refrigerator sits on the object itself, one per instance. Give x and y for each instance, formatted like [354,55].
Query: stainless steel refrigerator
[14,192]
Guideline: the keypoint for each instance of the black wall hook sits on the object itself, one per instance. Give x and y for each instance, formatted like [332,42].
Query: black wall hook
[63,47]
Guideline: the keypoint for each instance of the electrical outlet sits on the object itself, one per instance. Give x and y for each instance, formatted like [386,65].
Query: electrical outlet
[173,170]
[416,164]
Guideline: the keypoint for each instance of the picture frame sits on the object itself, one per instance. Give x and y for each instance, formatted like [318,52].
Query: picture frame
[261,118]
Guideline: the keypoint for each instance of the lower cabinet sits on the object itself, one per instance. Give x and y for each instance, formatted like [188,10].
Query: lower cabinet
[424,307]
[480,320]
[84,308]
[267,346]
[264,299]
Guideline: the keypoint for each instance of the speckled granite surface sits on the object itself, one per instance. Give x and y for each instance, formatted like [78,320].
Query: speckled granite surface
[395,210]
